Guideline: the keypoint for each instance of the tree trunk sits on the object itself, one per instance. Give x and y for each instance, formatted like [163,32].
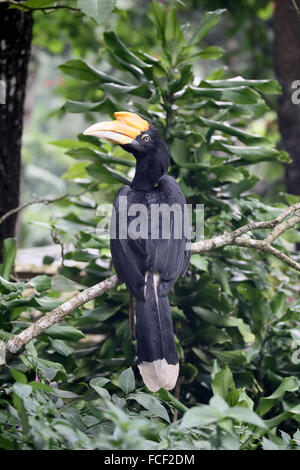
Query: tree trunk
[15,42]
[287,41]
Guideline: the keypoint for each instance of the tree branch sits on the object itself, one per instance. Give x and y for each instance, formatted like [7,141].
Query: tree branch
[45,201]
[287,219]
[294,2]
[48,9]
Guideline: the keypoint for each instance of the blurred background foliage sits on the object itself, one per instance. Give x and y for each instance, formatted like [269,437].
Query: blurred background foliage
[236,312]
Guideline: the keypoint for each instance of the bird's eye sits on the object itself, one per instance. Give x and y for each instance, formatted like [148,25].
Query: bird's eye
[145,138]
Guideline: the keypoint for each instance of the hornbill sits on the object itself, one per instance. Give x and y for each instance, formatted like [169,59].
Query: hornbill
[149,265]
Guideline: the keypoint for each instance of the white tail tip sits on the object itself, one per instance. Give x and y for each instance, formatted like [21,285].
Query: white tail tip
[159,374]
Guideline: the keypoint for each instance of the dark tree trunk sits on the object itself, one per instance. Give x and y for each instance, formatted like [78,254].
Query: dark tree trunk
[287,40]
[15,41]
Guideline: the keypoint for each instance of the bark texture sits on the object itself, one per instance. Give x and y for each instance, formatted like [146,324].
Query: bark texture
[15,42]
[287,41]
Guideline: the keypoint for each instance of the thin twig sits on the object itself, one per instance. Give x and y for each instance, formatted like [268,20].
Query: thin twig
[45,201]
[296,7]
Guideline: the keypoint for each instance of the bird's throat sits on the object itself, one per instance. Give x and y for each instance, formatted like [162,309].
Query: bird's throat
[147,174]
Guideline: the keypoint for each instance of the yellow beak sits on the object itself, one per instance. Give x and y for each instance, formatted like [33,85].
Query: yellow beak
[123,130]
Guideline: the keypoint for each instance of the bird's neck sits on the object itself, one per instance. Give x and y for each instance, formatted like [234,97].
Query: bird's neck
[148,171]
[145,178]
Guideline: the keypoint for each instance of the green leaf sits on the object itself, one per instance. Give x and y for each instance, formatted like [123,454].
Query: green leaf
[79,69]
[76,171]
[241,95]
[173,32]
[119,49]
[264,86]
[249,154]
[222,276]
[72,106]
[212,335]
[12,286]
[244,136]
[97,384]
[100,10]
[218,320]
[268,445]
[199,416]
[63,284]
[239,397]
[289,384]
[36,4]
[9,255]
[246,416]
[222,381]
[64,332]
[278,304]
[209,20]
[22,390]
[127,381]
[119,90]
[63,393]
[211,53]
[48,303]
[157,13]
[228,173]
[50,369]
[73,144]
[151,403]
[199,262]
[18,376]
[41,283]
[61,347]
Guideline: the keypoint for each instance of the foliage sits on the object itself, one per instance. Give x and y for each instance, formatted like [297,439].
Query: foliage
[236,312]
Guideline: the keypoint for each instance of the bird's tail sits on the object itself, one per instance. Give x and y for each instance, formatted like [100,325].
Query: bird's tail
[156,350]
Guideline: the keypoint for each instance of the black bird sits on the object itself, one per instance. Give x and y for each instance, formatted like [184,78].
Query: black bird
[150,262]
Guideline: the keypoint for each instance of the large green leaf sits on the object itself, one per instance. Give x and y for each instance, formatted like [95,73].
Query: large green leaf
[127,381]
[151,403]
[118,48]
[100,10]
[157,13]
[79,69]
[238,95]
[289,384]
[222,380]
[9,255]
[249,154]
[218,320]
[265,86]
[244,136]
[211,53]
[66,332]
[209,20]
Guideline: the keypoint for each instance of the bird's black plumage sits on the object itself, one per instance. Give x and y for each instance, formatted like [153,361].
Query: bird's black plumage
[150,267]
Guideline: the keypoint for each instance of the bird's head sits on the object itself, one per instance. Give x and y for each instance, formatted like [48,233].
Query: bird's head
[137,136]
[130,131]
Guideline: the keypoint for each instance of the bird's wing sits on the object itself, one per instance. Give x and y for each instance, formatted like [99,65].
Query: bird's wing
[170,257]
[128,256]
